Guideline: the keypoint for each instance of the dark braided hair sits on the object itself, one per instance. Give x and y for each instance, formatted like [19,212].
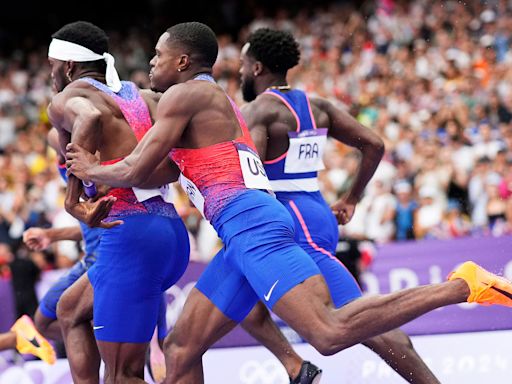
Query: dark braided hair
[199,39]
[89,36]
[277,50]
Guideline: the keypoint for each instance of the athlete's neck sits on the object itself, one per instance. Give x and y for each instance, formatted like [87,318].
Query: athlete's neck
[91,74]
[190,73]
[272,82]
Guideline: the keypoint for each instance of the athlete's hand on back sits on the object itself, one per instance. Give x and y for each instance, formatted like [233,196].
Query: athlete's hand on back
[343,209]
[36,239]
[102,191]
[94,212]
[79,161]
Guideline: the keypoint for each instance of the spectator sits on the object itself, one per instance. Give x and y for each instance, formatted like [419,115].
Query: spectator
[496,207]
[439,93]
[454,223]
[381,211]
[404,211]
[429,215]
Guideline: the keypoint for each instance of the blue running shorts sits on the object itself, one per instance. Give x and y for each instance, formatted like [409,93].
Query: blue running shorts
[137,261]
[316,231]
[48,304]
[260,259]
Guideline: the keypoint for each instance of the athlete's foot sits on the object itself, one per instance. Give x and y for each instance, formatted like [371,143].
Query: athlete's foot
[309,374]
[485,287]
[29,340]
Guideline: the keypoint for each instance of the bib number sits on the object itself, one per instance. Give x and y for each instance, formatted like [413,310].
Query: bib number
[165,192]
[192,192]
[306,151]
[253,170]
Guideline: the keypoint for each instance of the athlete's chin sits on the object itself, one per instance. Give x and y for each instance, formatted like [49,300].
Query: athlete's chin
[248,96]
[248,92]
[154,86]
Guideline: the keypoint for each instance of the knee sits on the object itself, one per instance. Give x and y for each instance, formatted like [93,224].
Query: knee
[110,378]
[397,337]
[124,373]
[329,339]
[175,352]
[179,355]
[65,311]
[395,340]
[256,318]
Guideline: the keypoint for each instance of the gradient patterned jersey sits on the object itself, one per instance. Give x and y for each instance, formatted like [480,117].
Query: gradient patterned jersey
[213,176]
[129,200]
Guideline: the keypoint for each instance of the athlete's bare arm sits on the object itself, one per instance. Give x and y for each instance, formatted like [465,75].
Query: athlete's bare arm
[346,129]
[257,124]
[53,141]
[77,118]
[172,117]
[37,239]
[166,171]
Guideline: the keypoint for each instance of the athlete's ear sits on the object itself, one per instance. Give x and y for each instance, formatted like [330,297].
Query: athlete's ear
[257,68]
[183,62]
[69,68]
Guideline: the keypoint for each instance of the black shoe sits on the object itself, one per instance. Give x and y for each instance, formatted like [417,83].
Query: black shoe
[309,374]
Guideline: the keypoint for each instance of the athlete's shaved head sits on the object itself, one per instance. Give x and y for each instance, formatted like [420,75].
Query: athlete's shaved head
[86,35]
[198,39]
[276,50]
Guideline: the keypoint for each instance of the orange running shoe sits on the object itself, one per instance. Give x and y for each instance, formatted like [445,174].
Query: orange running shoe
[29,340]
[486,287]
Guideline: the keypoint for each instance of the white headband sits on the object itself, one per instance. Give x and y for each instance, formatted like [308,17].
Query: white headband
[66,51]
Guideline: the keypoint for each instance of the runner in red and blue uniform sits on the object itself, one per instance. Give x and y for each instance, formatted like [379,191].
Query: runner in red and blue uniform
[138,260]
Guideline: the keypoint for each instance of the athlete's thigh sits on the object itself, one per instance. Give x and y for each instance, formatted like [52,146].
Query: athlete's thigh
[199,326]
[122,360]
[316,231]
[76,303]
[307,307]
[315,225]
[268,255]
[135,260]
[48,304]
[226,287]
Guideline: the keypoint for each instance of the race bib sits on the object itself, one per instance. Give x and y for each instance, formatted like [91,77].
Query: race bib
[193,193]
[253,170]
[165,192]
[306,151]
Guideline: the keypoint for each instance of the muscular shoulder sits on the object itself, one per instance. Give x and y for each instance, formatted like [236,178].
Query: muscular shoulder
[74,99]
[151,99]
[57,106]
[320,103]
[78,89]
[264,109]
[187,97]
[326,105]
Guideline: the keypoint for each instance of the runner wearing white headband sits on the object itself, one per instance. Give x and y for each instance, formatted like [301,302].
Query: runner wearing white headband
[67,51]
[121,295]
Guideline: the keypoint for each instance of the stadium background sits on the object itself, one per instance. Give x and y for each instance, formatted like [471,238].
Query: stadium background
[433,78]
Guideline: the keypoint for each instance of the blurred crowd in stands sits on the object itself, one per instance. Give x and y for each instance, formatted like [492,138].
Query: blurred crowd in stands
[433,79]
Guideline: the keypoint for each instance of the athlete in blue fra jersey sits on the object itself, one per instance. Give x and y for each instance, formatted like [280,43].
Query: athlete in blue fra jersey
[290,131]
